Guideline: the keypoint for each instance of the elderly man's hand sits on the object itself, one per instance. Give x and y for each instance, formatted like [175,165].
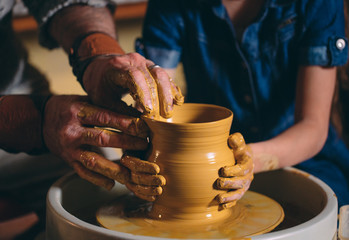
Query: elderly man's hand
[107,78]
[72,127]
[238,177]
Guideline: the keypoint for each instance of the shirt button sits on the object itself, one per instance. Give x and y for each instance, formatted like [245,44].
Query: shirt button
[340,43]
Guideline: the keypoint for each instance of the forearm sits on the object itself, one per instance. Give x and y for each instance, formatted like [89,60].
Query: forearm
[75,21]
[21,123]
[296,144]
[85,33]
[315,87]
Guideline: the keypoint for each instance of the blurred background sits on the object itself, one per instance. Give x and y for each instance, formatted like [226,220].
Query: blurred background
[54,63]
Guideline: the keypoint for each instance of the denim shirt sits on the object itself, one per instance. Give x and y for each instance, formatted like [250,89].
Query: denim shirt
[255,75]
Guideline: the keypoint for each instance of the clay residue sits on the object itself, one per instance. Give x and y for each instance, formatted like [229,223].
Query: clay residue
[268,162]
[130,125]
[98,164]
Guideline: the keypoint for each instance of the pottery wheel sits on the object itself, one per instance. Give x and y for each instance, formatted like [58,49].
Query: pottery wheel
[254,214]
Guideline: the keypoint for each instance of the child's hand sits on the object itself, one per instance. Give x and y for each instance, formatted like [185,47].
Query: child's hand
[238,177]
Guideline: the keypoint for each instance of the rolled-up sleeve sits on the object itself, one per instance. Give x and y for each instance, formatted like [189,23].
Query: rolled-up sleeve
[43,10]
[162,33]
[324,42]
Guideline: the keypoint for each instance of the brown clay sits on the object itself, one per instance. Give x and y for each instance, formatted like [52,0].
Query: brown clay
[190,148]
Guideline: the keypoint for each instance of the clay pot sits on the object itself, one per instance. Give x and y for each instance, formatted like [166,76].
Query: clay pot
[190,148]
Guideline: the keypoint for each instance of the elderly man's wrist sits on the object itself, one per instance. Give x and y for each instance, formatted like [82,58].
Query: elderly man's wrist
[88,47]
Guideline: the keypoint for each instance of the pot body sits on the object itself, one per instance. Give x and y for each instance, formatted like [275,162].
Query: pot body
[190,148]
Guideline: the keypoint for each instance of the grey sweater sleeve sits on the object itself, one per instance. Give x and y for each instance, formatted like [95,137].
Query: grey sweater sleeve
[43,10]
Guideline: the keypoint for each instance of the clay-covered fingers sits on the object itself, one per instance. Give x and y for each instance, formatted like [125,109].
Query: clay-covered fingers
[236,179]
[94,116]
[143,172]
[236,140]
[229,199]
[102,137]
[145,181]
[237,143]
[144,90]
[130,72]
[151,87]
[243,166]
[243,156]
[147,193]
[92,177]
[137,165]
[229,183]
[98,164]
[168,92]
[237,182]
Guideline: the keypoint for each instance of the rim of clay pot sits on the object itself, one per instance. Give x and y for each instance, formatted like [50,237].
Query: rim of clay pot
[224,115]
[54,197]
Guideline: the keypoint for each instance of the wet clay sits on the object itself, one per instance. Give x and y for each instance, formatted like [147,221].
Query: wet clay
[190,148]
[254,214]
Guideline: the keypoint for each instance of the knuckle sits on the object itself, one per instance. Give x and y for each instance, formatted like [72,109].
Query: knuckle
[74,111]
[136,56]
[102,138]
[104,118]
[136,178]
[115,60]
[70,133]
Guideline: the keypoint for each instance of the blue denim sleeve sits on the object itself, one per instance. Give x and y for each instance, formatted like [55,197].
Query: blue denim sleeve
[164,57]
[43,10]
[324,42]
[162,33]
